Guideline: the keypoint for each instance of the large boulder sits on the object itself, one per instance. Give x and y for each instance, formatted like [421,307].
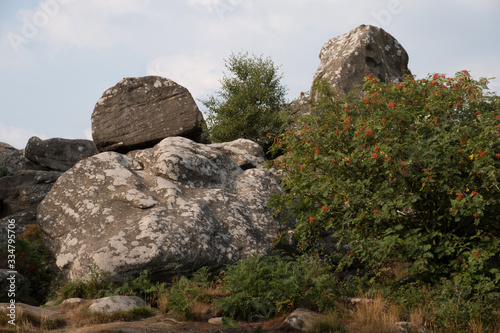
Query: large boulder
[20,195]
[348,58]
[138,113]
[178,202]
[58,154]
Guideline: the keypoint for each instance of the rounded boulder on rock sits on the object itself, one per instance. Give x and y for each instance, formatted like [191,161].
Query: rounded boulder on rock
[57,153]
[138,113]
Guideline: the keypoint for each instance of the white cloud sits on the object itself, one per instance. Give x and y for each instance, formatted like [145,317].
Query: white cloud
[200,73]
[91,23]
[85,24]
[17,137]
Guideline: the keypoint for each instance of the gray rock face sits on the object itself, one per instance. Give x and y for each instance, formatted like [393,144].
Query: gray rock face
[348,58]
[11,159]
[116,303]
[178,202]
[139,112]
[58,154]
[247,154]
[20,195]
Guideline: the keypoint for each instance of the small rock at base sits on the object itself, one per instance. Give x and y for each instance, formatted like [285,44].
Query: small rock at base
[217,321]
[74,300]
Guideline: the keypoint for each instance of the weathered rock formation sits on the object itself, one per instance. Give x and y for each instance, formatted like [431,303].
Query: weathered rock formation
[348,58]
[20,195]
[58,154]
[11,159]
[24,182]
[179,202]
[138,113]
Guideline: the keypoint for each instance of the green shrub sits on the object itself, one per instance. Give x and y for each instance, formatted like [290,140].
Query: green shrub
[142,286]
[407,173]
[262,286]
[185,293]
[98,285]
[249,102]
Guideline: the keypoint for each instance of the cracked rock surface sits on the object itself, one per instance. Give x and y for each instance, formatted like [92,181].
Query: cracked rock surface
[179,202]
[139,112]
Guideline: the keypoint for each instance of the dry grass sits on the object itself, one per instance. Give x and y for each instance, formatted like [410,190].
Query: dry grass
[163,303]
[375,316]
[27,322]
[83,316]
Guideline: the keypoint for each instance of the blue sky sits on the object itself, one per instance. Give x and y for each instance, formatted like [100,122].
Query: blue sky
[57,57]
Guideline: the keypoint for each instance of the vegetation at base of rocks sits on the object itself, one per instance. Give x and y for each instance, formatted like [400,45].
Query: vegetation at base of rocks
[249,102]
[264,286]
[33,262]
[142,286]
[98,285]
[231,323]
[192,299]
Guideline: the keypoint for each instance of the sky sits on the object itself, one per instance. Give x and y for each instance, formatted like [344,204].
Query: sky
[57,57]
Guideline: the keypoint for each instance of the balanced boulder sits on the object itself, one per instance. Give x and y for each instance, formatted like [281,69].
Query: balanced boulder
[365,50]
[58,154]
[138,113]
[179,202]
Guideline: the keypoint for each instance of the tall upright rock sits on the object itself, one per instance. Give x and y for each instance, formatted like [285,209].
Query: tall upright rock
[138,113]
[348,58]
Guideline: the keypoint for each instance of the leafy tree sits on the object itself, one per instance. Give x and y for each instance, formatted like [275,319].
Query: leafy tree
[408,173]
[249,102]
